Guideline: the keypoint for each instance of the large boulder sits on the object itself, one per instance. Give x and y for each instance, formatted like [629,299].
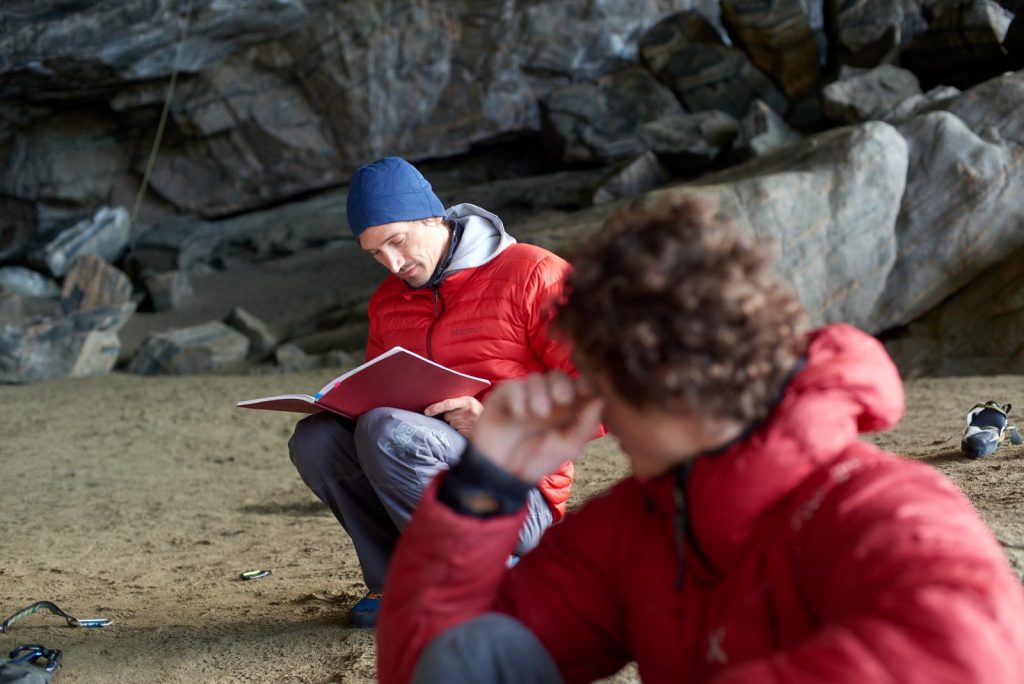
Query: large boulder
[777,36]
[827,206]
[963,209]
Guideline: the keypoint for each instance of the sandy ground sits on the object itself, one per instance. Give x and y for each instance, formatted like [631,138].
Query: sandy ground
[143,499]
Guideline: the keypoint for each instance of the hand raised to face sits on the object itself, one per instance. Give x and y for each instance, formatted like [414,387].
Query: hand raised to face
[530,426]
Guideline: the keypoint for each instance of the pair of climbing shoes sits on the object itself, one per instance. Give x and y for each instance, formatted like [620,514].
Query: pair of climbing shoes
[988,426]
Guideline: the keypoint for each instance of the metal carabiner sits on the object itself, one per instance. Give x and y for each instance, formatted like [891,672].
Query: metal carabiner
[28,654]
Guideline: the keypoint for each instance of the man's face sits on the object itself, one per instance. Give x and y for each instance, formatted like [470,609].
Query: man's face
[656,440]
[409,249]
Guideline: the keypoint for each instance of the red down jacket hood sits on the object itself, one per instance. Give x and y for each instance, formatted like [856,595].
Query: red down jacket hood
[848,385]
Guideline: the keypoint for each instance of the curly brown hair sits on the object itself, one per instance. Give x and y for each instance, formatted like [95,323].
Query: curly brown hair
[681,311]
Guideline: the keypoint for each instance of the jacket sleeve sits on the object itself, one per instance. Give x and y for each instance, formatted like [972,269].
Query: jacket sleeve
[544,290]
[449,568]
[546,287]
[910,587]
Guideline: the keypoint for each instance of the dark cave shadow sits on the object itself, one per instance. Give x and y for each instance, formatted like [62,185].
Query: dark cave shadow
[950,456]
[297,509]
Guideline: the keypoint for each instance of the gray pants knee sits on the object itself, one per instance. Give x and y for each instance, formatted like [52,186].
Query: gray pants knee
[492,648]
[372,474]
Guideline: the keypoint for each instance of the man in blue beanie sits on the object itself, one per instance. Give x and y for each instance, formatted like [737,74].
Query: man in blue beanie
[464,293]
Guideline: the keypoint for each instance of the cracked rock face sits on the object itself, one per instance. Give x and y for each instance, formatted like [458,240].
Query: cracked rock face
[552,113]
[275,98]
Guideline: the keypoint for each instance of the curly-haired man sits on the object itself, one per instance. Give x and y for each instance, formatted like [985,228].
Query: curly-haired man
[758,539]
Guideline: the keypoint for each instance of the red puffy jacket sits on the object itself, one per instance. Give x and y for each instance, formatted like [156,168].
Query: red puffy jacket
[813,557]
[490,321]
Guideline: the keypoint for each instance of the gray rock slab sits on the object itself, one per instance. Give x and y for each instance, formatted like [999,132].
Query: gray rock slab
[207,348]
[511,198]
[348,336]
[865,33]
[17,224]
[643,174]
[864,95]
[168,290]
[105,235]
[21,280]
[262,339]
[92,283]
[19,310]
[50,53]
[919,104]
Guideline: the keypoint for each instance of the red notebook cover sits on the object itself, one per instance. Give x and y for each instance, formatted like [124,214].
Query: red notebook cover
[398,378]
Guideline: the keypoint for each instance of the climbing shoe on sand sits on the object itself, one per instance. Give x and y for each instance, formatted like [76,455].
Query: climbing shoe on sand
[364,613]
[988,427]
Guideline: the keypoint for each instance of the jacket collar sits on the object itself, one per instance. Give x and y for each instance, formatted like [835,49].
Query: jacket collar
[848,385]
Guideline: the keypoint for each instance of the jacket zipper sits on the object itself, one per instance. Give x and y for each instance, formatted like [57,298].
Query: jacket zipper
[438,311]
[683,526]
[682,519]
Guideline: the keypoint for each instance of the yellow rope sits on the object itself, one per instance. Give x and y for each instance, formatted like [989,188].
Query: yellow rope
[163,115]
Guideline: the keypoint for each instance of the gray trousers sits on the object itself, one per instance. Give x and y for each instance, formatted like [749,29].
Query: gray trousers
[372,474]
[492,649]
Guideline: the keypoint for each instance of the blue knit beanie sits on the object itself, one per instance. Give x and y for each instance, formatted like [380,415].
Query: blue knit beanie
[389,190]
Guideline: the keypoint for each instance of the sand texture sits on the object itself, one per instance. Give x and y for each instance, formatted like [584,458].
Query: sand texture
[142,500]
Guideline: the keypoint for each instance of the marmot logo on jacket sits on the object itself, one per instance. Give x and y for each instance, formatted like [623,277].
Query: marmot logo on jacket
[716,654]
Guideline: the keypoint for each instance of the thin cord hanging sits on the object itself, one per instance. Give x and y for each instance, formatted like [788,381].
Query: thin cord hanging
[163,115]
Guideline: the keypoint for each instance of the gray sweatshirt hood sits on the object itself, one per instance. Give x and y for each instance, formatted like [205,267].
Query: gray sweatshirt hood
[483,237]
